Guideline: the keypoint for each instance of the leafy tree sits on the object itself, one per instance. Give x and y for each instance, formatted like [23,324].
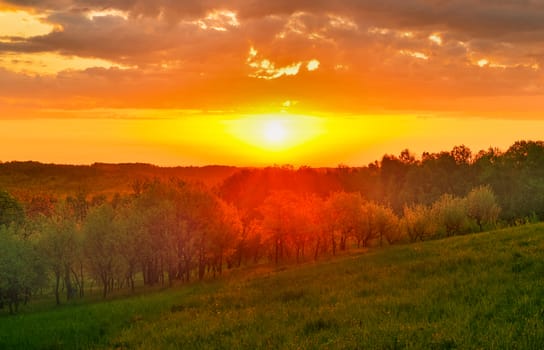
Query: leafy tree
[365,228]
[20,269]
[225,234]
[376,222]
[393,175]
[40,205]
[58,245]
[386,223]
[315,213]
[277,211]
[462,155]
[250,241]
[344,216]
[482,206]
[451,214]
[418,222]
[78,205]
[101,245]
[11,211]
[131,235]
[196,214]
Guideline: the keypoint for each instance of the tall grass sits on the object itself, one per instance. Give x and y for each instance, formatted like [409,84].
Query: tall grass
[477,291]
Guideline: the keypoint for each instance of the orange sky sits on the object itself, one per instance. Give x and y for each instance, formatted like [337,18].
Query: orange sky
[261,82]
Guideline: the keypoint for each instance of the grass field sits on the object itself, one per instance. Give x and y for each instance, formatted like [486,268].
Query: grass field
[483,291]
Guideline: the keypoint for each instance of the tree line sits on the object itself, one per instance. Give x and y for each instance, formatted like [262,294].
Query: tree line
[173,231]
[163,232]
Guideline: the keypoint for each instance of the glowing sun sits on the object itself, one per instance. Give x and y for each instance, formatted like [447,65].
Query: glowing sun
[274,131]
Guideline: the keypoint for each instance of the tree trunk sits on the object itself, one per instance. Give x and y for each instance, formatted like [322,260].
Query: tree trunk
[201,265]
[57,286]
[104,285]
[277,251]
[68,283]
[82,279]
[220,263]
[316,252]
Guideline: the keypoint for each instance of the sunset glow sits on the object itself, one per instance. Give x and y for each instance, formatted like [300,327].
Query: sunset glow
[255,83]
[274,132]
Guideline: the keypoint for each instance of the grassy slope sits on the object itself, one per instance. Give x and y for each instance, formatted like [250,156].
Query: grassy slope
[477,291]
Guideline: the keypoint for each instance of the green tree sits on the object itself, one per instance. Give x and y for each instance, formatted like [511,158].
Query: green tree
[451,214]
[132,233]
[226,232]
[345,216]
[386,223]
[418,222]
[101,245]
[11,211]
[58,245]
[21,270]
[482,206]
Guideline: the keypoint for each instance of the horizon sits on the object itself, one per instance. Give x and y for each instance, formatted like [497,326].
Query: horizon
[417,157]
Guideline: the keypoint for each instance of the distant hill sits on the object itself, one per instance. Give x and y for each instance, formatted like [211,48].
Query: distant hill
[99,178]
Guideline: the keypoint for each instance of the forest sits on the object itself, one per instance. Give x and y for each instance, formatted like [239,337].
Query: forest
[68,230]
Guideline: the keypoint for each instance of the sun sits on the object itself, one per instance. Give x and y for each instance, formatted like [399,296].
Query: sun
[274,131]
[275,134]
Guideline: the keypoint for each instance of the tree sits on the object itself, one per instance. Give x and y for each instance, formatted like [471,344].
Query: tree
[451,214]
[78,205]
[11,211]
[376,221]
[20,269]
[303,224]
[386,223]
[344,216]
[131,233]
[482,206]
[418,222]
[101,245]
[365,228]
[226,233]
[462,155]
[277,220]
[316,216]
[58,246]
[250,242]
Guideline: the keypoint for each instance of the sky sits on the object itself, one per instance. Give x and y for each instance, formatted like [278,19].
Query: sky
[251,83]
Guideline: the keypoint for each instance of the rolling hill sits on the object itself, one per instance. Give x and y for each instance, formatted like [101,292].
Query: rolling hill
[476,291]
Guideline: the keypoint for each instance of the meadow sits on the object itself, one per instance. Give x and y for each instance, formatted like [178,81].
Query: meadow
[475,291]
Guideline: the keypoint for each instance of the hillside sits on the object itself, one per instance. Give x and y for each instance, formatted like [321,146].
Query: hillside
[476,291]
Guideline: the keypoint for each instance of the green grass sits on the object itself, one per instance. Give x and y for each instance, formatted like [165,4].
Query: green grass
[483,291]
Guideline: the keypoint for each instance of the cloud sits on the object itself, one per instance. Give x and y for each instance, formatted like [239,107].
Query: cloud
[347,54]
[263,68]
